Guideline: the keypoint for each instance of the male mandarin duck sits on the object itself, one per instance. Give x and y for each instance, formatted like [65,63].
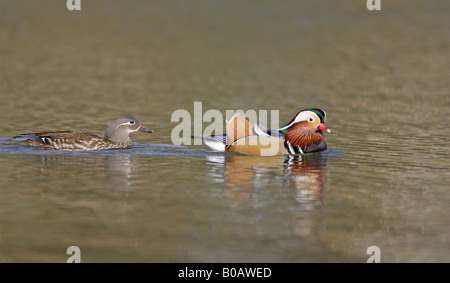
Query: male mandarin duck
[304,133]
[117,135]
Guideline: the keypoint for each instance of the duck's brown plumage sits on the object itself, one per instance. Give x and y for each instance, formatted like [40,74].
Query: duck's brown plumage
[302,136]
[67,140]
[116,136]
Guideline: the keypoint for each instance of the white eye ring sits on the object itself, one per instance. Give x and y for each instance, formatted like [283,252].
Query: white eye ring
[131,122]
[311,119]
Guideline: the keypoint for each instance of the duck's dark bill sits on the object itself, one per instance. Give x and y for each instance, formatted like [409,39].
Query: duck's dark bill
[143,128]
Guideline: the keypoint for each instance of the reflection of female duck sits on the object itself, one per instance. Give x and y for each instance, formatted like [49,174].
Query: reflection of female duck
[119,167]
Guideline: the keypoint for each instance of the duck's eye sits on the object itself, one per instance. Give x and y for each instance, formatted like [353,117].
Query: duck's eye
[131,122]
[311,119]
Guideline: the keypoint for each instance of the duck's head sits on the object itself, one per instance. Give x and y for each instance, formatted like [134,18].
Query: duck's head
[304,133]
[119,131]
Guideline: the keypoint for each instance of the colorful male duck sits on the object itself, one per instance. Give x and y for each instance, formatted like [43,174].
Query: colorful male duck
[304,133]
[117,135]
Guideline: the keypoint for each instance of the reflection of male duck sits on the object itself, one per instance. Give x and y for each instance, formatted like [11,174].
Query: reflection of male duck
[306,176]
[303,175]
[294,184]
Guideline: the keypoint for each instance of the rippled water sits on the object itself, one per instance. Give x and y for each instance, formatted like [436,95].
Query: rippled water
[382,78]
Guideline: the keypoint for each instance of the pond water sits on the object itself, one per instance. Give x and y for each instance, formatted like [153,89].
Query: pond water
[381,76]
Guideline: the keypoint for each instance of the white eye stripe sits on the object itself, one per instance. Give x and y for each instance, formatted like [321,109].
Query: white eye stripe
[127,123]
[303,116]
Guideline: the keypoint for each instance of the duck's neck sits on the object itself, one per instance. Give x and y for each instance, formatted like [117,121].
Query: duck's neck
[303,139]
[120,139]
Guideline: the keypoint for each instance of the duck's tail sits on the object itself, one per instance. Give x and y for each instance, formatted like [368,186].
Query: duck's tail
[217,143]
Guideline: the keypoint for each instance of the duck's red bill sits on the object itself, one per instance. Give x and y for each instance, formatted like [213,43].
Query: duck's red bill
[322,127]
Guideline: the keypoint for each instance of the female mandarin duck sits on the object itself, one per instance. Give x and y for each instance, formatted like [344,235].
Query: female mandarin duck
[117,135]
[304,133]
